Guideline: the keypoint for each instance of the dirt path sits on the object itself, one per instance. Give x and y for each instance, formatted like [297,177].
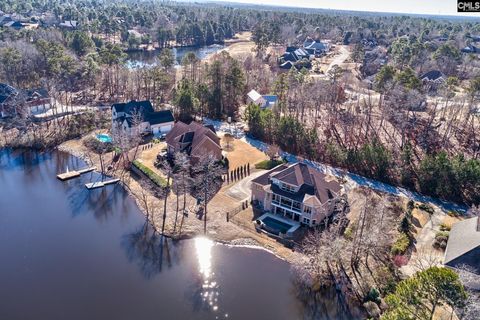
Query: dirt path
[342,55]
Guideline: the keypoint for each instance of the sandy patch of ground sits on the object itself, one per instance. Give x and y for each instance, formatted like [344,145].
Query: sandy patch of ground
[450,221]
[149,156]
[240,46]
[240,153]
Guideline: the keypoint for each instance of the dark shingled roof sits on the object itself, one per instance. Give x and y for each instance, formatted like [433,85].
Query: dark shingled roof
[310,181]
[187,137]
[463,246]
[158,117]
[432,75]
[264,179]
[6,91]
[134,107]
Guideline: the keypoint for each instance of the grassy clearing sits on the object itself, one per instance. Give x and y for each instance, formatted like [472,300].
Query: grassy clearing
[268,164]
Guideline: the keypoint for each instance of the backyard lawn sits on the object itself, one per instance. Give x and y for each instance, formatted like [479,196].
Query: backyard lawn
[239,153]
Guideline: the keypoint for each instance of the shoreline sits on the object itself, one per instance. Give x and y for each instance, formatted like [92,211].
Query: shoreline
[244,239]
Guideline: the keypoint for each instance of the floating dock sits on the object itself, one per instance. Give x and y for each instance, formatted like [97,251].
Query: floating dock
[74,174]
[100,184]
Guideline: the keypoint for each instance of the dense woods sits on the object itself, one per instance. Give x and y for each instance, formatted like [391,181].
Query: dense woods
[400,132]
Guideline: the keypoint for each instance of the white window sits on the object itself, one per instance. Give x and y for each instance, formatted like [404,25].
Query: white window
[287,187]
[307,210]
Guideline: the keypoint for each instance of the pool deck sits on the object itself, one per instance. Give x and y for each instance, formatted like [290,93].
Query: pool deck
[294,224]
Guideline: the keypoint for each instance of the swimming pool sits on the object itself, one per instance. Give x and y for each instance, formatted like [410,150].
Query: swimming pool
[104,138]
[276,226]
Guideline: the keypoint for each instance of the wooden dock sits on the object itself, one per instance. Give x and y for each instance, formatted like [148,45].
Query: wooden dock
[100,184]
[74,174]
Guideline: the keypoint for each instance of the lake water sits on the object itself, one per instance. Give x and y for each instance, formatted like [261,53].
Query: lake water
[139,59]
[69,253]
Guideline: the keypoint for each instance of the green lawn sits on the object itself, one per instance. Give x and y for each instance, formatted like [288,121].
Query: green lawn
[268,164]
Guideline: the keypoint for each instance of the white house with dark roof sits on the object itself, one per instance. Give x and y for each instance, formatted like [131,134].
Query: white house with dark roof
[264,101]
[297,192]
[139,116]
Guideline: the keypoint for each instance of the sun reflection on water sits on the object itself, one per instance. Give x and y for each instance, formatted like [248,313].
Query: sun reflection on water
[209,290]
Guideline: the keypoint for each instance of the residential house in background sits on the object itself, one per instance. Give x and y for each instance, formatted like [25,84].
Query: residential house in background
[433,79]
[463,246]
[140,117]
[264,101]
[291,56]
[68,24]
[316,48]
[297,192]
[471,49]
[27,102]
[195,140]
[37,100]
[8,97]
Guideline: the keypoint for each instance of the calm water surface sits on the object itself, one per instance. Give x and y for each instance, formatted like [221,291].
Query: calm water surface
[69,253]
[141,59]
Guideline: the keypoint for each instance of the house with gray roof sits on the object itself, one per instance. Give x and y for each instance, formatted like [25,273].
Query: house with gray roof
[264,101]
[433,79]
[298,192]
[8,95]
[463,246]
[140,117]
[316,47]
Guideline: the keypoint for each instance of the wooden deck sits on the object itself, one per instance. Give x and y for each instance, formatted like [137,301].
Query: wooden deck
[74,174]
[100,184]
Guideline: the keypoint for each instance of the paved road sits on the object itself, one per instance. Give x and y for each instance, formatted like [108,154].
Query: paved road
[353,180]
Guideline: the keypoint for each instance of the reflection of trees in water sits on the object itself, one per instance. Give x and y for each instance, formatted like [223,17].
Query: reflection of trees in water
[150,251]
[324,304]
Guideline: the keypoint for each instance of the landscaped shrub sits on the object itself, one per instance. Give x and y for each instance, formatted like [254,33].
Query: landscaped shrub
[348,234]
[158,180]
[405,224]
[372,295]
[401,244]
[268,164]
[425,207]
[400,261]
[453,213]
[410,205]
[445,227]
[441,239]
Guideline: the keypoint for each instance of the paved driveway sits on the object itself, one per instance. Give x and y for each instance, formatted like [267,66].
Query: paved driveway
[241,190]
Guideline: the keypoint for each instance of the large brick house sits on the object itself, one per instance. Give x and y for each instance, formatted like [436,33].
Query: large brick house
[297,192]
[195,140]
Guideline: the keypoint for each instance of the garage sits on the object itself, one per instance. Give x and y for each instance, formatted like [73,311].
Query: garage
[161,122]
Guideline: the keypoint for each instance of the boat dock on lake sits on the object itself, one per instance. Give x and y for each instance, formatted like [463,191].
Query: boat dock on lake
[100,184]
[74,174]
